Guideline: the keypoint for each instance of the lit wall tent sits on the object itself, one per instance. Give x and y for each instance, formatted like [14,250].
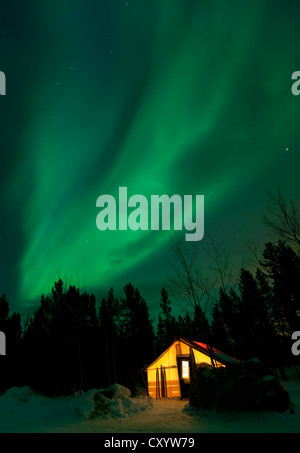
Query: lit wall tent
[169,375]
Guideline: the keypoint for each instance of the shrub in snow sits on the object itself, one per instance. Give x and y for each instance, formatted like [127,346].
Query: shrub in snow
[239,387]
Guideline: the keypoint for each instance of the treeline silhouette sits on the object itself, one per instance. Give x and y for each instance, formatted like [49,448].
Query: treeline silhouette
[71,343]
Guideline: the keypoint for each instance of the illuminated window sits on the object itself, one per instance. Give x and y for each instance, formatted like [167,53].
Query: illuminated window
[185,369]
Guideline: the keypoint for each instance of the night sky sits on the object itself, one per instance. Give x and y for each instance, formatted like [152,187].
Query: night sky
[161,96]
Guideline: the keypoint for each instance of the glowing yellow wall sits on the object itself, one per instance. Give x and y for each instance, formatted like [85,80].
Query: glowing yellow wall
[202,358]
[169,361]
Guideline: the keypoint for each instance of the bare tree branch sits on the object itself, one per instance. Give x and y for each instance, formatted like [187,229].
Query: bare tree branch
[283,219]
[219,258]
[255,254]
[191,284]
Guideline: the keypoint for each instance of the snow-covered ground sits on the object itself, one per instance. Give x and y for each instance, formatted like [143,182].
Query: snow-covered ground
[22,411]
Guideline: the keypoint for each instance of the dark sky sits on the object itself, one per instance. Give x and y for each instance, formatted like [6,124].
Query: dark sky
[162,97]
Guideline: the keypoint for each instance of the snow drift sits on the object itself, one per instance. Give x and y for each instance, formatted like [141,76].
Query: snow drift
[113,410]
[113,402]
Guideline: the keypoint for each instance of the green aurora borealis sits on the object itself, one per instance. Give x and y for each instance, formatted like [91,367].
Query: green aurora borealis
[161,96]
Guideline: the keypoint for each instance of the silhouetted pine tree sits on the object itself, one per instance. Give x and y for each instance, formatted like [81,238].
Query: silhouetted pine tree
[10,325]
[254,317]
[243,316]
[185,325]
[200,329]
[219,331]
[167,328]
[137,334]
[260,316]
[4,310]
[61,339]
[282,267]
[109,313]
[228,306]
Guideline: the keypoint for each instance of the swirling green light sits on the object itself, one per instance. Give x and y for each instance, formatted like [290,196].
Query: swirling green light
[177,119]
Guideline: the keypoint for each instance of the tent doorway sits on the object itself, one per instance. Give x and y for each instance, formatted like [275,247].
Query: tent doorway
[184,371]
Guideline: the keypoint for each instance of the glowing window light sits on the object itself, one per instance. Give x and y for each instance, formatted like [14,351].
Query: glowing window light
[185,369]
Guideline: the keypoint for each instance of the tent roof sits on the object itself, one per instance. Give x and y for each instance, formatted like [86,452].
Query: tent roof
[202,347]
[219,355]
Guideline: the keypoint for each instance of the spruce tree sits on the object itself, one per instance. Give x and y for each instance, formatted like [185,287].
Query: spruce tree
[219,331]
[282,266]
[108,318]
[167,328]
[61,339]
[200,327]
[137,333]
